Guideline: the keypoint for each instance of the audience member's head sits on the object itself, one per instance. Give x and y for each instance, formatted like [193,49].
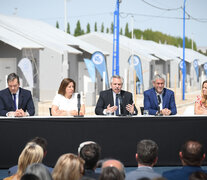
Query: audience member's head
[68,167]
[39,170]
[32,153]
[29,177]
[90,152]
[42,142]
[192,153]
[198,175]
[147,152]
[111,173]
[114,163]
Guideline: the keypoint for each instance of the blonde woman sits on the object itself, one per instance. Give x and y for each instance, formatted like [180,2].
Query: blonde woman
[32,153]
[65,102]
[68,167]
[201,101]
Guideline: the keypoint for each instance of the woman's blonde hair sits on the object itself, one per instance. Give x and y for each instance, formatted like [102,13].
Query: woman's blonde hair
[204,97]
[68,167]
[32,153]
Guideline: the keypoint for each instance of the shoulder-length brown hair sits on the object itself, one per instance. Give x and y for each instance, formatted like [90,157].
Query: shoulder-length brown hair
[64,84]
[204,97]
[68,167]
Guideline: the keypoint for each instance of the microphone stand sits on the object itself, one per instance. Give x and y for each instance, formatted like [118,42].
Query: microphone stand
[79,105]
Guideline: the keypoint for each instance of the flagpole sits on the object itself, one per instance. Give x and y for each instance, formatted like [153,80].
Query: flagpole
[184,66]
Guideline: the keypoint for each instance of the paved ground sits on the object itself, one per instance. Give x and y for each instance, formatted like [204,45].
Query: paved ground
[182,105]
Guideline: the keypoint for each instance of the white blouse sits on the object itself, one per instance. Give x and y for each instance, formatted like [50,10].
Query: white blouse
[66,104]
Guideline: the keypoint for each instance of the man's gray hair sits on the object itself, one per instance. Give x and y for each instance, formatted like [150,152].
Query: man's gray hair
[157,76]
[117,77]
[12,76]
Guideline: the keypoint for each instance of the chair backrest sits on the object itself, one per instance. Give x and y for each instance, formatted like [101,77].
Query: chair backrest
[142,110]
[50,111]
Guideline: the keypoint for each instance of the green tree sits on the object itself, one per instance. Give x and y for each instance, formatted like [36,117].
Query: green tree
[78,30]
[127,33]
[112,28]
[95,27]
[102,27]
[107,30]
[121,32]
[57,24]
[68,28]
[88,28]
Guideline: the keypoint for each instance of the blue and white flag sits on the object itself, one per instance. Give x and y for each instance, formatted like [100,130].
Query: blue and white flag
[137,67]
[100,64]
[181,65]
[195,64]
[91,69]
[205,68]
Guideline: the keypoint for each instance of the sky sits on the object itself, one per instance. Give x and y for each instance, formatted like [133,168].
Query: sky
[165,16]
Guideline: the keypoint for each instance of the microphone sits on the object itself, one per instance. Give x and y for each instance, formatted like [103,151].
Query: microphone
[79,104]
[120,103]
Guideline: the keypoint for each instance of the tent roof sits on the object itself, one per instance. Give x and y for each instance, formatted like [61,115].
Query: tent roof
[38,34]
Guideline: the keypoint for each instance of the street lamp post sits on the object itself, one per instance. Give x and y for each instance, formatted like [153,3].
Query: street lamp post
[184,66]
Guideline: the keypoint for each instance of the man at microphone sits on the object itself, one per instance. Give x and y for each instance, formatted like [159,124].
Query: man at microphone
[159,100]
[115,101]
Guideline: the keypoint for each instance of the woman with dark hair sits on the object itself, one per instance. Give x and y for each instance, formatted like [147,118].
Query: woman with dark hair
[39,170]
[201,101]
[65,102]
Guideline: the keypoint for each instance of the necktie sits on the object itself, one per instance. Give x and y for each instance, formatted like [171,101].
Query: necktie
[117,104]
[159,99]
[15,105]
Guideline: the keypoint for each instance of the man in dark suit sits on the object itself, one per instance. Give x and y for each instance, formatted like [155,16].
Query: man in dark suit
[115,101]
[159,100]
[191,155]
[146,156]
[15,101]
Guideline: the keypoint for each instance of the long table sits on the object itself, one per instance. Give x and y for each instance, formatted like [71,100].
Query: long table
[117,136]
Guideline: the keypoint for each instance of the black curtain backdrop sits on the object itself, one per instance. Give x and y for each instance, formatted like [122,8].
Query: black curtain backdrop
[117,136]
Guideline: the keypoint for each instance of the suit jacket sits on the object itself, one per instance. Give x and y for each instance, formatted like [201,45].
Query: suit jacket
[106,98]
[25,102]
[151,102]
[182,173]
[142,172]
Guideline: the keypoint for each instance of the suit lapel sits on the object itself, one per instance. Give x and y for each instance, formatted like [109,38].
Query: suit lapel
[155,97]
[164,98]
[20,99]
[9,95]
[111,98]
